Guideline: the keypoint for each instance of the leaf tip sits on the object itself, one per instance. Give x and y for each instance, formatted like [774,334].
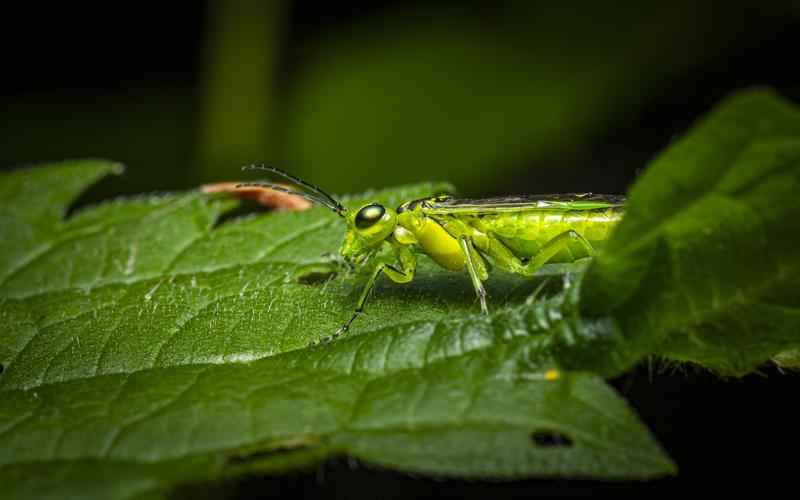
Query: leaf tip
[117,168]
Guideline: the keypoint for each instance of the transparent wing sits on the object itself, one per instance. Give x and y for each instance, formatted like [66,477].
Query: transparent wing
[443,205]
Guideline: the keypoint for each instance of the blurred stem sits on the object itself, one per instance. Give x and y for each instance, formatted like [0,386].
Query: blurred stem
[238,109]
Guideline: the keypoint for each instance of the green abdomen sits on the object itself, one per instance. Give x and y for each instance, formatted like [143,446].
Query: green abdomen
[525,232]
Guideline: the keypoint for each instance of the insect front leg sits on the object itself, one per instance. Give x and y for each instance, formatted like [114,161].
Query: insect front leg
[373,278]
[400,271]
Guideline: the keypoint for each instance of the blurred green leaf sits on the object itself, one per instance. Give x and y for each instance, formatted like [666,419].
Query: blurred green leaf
[788,359]
[469,92]
[148,345]
[239,112]
[475,95]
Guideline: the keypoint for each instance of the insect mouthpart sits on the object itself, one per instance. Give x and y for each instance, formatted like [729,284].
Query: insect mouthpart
[358,259]
[364,257]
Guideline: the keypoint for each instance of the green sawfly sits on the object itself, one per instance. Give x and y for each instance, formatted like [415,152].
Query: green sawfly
[516,234]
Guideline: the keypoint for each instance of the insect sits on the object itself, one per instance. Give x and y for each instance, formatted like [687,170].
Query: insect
[517,234]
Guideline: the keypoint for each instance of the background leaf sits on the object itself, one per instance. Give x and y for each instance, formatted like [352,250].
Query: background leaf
[704,266]
[484,96]
[491,96]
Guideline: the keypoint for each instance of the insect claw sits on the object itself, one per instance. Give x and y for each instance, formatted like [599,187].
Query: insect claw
[567,281]
[329,338]
[535,295]
[338,333]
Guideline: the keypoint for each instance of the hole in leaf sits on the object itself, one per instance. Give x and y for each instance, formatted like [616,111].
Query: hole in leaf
[551,439]
[2,368]
[314,273]
[314,278]
[291,451]
[259,456]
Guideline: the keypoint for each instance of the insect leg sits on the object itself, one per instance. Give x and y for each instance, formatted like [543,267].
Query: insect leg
[552,247]
[472,259]
[506,259]
[555,245]
[373,278]
[401,271]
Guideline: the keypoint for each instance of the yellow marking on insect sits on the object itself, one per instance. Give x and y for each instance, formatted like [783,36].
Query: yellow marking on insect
[439,245]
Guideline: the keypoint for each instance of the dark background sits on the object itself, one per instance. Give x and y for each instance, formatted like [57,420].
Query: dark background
[496,97]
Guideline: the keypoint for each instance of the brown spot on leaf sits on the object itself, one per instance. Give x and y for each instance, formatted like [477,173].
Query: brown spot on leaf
[263,196]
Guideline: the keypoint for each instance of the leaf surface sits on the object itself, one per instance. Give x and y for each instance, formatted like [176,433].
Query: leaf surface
[150,341]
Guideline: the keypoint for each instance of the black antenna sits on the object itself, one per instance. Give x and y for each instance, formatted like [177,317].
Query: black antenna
[282,189]
[332,203]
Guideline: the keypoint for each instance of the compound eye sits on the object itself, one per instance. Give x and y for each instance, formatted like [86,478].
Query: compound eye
[369,215]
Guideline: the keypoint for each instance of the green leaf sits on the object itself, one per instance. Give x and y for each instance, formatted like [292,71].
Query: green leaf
[788,359]
[704,267]
[150,343]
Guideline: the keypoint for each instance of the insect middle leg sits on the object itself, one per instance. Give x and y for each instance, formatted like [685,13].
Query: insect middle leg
[477,270]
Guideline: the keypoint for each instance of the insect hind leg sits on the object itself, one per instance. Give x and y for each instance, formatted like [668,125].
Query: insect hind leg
[507,260]
[550,249]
